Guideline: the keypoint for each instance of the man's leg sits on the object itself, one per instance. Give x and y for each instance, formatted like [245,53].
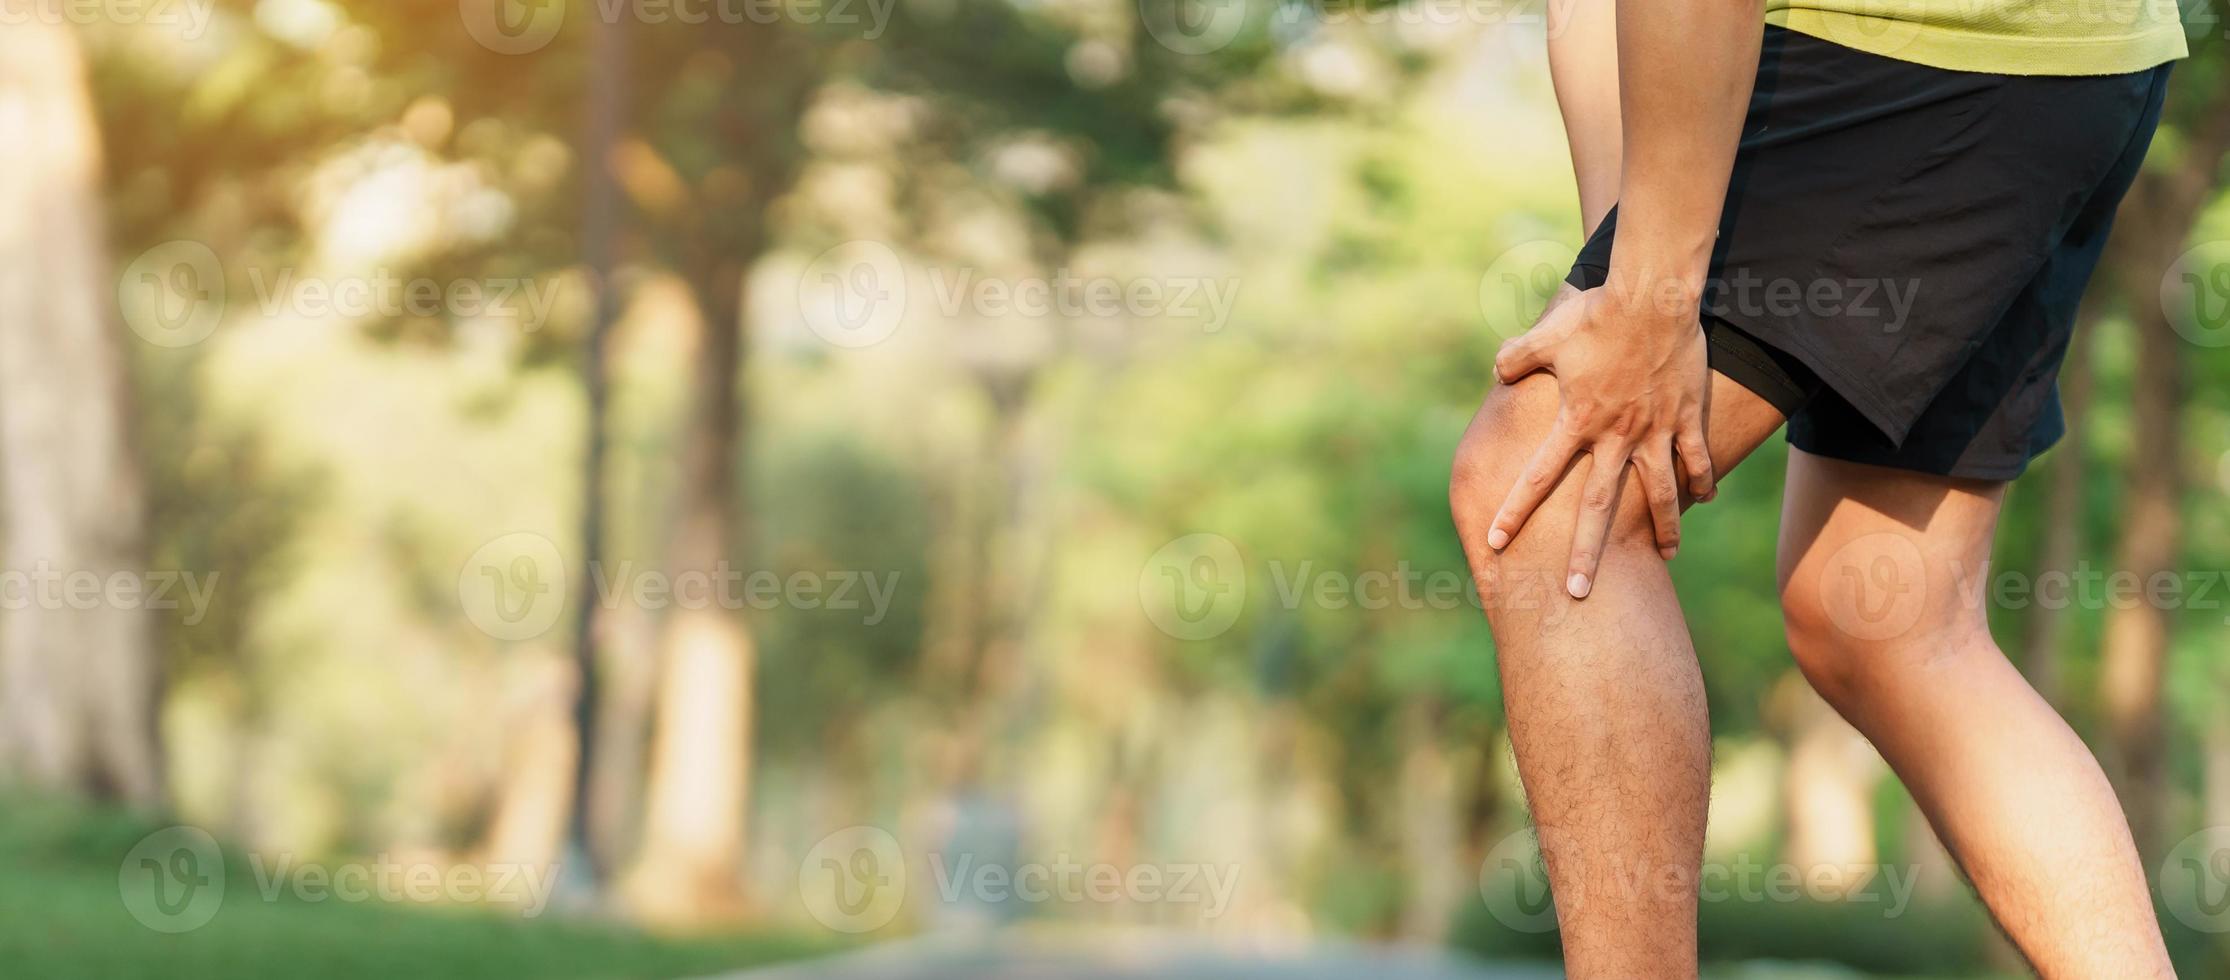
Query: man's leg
[1882,586]
[1605,702]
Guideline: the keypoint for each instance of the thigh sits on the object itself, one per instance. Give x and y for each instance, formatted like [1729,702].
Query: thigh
[1874,555]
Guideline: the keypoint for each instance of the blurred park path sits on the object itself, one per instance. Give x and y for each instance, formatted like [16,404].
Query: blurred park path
[1016,956]
[1019,955]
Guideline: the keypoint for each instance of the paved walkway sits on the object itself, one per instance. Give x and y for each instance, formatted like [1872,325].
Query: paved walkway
[1117,957]
[1020,955]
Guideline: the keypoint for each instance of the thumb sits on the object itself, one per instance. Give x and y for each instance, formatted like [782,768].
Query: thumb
[1533,350]
[1522,355]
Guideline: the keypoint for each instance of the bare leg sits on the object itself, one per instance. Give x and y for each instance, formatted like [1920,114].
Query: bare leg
[1882,585]
[1605,701]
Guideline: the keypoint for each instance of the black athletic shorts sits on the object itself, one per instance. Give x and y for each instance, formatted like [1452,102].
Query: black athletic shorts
[1904,248]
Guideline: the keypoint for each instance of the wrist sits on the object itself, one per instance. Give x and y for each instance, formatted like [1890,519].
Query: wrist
[1656,296]
[1658,267]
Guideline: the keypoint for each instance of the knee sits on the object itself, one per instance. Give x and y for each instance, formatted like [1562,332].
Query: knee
[1487,461]
[1480,475]
[1827,653]
[1510,426]
[1511,422]
[1865,619]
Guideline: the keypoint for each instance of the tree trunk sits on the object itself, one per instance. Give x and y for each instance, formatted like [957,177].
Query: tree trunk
[1832,772]
[527,828]
[1430,835]
[689,870]
[2136,639]
[2063,518]
[1002,570]
[78,681]
[2215,791]
[608,65]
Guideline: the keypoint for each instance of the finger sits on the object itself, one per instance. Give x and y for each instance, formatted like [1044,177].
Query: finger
[1529,352]
[1661,486]
[1598,501]
[1542,473]
[1695,458]
[1522,355]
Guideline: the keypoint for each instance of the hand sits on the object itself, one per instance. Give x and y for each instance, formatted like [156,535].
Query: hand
[1633,383]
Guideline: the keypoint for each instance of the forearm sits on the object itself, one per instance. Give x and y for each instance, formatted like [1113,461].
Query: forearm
[1583,64]
[1685,68]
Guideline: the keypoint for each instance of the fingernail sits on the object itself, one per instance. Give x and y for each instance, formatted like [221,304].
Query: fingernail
[1498,539]
[1578,586]
[1668,553]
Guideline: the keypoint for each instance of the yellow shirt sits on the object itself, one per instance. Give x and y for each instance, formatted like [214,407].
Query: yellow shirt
[2002,37]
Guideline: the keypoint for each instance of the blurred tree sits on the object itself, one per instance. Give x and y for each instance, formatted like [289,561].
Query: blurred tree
[719,148]
[711,147]
[2153,228]
[608,66]
[78,677]
[2062,520]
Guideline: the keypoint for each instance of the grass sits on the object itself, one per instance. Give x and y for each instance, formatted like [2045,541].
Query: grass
[62,915]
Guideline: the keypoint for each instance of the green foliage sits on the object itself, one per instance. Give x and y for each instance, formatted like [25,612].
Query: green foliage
[60,916]
[1313,430]
[829,506]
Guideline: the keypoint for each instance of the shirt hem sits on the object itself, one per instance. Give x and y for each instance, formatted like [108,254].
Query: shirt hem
[1967,51]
